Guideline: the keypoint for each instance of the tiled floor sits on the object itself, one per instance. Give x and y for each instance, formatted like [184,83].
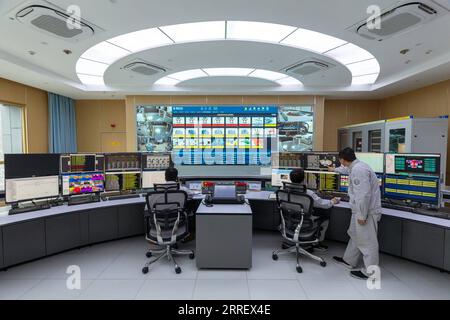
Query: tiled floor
[113,271]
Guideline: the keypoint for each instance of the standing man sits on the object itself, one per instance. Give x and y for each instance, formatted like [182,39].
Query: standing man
[365,203]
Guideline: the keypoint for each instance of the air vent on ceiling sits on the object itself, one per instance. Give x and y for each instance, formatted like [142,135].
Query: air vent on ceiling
[308,67]
[144,68]
[400,19]
[52,20]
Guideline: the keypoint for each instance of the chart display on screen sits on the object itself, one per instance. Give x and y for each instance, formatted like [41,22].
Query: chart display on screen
[412,188]
[122,181]
[224,135]
[419,164]
[279,176]
[149,178]
[374,160]
[321,161]
[31,188]
[83,183]
[123,162]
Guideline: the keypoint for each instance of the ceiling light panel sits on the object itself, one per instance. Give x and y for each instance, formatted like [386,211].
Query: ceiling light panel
[105,52]
[189,74]
[197,31]
[288,81]
[91,80]
[238,72]
[367,79]
[257,31]
[311,40]
[364,67]
[91,67]
[349,53]
[266,74]
[167,81]
[141,40]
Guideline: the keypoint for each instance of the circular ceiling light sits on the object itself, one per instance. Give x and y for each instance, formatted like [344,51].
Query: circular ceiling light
[178,77]
[93,63]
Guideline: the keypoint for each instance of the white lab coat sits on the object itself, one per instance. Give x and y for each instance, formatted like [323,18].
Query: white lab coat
[365,202]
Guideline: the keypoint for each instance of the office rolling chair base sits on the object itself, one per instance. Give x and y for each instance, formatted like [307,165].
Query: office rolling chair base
[274,257]
[169,251]
[299,269]
[323,264]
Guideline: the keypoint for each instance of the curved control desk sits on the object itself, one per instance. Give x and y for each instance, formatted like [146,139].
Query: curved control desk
[33,235]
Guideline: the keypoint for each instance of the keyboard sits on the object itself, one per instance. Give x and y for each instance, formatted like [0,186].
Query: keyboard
[122,196]
[329,196]
[82,200]
[398,207]
[29,209]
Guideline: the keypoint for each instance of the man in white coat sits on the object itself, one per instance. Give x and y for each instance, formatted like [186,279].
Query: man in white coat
[365,203]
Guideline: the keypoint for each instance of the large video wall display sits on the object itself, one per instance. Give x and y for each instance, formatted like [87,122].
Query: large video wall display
[295,128]
[224,135]
[154,128]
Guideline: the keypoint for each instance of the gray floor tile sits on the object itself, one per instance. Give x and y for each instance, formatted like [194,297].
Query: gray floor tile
[55,289]
[166,290]
[221,289]
[12,289]
[389,290]
[112,290]
[221,274]
[330,290]
[276,290]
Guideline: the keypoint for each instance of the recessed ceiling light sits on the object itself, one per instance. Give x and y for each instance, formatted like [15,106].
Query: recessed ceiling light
[266,74]
[311,40]
[197,31]
[349,53]
[105,52]
[238,72]
[364,67]
[257,31]
[189,74]
[91,67]
[366,79]
[91,80]
[141,40]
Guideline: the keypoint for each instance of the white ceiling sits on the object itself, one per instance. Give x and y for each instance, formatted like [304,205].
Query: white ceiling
[52,70]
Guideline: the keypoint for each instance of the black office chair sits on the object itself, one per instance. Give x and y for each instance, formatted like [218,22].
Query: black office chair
[166,224]
[297,227]
[166,186]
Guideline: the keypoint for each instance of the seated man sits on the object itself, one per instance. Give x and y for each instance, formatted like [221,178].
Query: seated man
[298,176]
[172,177]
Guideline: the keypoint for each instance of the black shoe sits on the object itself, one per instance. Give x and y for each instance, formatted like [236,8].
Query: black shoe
[321,247]
[358,275]
[342,262]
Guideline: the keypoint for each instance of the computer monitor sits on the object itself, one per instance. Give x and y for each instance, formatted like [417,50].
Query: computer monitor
[122,181]
[344,182]
[423,189]
[322,181]
[31,165]
[415,164]
[320,161]
[150,178]
[155,161]
[224,135]
[123,162]
[279,176]
[82,162]
[27,189]
[82,183]
[288,160]
[374,160]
